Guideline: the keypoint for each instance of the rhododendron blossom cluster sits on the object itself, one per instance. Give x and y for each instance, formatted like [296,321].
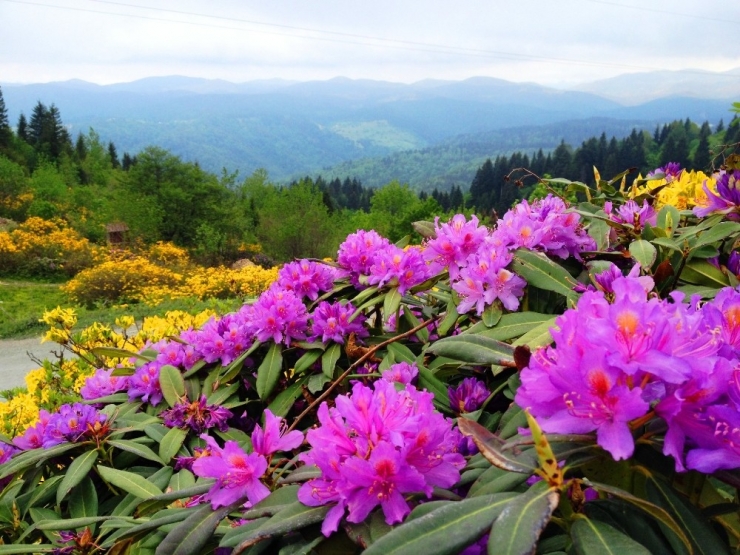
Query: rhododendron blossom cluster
[376,446]
[616,361]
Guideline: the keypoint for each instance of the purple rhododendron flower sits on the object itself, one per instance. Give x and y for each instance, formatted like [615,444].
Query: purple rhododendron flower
[454,242]
[485,280]
[307,278]
[468,396]
[72,423]
[357,252]
[633,214]
[273,438]
[280,315]
[396,267]
[199,416]
[727,198]
[103,383]
[671,171]
[237,474]
[331,322]
[374,446]
[144,384]
[401,372]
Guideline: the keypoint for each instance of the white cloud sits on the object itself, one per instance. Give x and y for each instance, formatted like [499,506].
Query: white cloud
[530,40]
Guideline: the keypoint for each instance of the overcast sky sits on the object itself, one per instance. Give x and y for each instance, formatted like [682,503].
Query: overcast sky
[545,41]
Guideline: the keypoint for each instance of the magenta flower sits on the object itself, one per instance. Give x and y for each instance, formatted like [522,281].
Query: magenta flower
[199,416]
[357,251]
[381,480]
[33,436]
[280,315]
[401,372]
[331,322]
[455,241]
[396,267]
[72,423]
[144,384]
[485,280]
[237,474]
[307,278]
[103,383]
[671,171]
[727,198]
[374,446]
[633,214]
[273,438]
[468,396]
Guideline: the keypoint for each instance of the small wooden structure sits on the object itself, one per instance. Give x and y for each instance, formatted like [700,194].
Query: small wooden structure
[116,233]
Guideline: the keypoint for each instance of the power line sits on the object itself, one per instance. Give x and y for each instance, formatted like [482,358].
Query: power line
[380,42]
[665,12]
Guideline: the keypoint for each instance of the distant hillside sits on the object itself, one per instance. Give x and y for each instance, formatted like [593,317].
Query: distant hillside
[455,161]
[292,128]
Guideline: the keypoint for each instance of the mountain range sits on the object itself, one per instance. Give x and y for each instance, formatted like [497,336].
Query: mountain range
[340,126]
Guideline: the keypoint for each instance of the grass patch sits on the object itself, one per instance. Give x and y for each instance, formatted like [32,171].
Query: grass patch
[23,302]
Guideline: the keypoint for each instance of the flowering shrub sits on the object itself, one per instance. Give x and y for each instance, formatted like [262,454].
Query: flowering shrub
[43,247]
[137,279]
[566,381]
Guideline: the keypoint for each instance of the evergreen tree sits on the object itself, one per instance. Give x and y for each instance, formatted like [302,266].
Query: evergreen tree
[457,199]
[113,154]
[127,161]
[22,129]
[702,157]
[720,126]
[6,134]
[80,148]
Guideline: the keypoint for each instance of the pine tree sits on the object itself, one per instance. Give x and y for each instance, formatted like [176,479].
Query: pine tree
[113,154]
[22,129]
[6,133]
[720,126]
[80,148]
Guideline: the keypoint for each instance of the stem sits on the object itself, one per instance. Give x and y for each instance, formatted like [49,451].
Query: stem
[355,365]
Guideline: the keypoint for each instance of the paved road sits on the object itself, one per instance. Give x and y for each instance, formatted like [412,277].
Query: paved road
[15,362]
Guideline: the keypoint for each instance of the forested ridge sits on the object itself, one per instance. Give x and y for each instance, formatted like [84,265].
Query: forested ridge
[88,183]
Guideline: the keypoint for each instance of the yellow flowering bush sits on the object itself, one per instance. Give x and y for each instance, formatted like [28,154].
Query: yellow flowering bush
[683,192]
[60,381]
[119,280]
[167,254]
[43,246]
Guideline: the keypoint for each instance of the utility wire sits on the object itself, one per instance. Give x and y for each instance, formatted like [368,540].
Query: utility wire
[381,42]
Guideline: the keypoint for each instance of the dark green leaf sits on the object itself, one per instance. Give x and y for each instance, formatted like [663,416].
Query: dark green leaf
[492,314]
[476,349]
[444,531]
[643,252]
[274,503]
[425,229]
[391,302]
[701,272]
[668,218]
[538,270]
[592,536]
[72,523]
[172,384]
[307,360]
[518,527]
[222,393]
[538,336]
[171,443]
[136,448]
[430,382]
[703,538]
[268,373]
[491,445]
[283,401]
[36,548]
[113,352]
[717,233]
[666,521]
[84,500]
[78,470]
[401,353]
[29,458]
[511,325]
[291,518]
[188,537]
[129,482]
[329,360]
